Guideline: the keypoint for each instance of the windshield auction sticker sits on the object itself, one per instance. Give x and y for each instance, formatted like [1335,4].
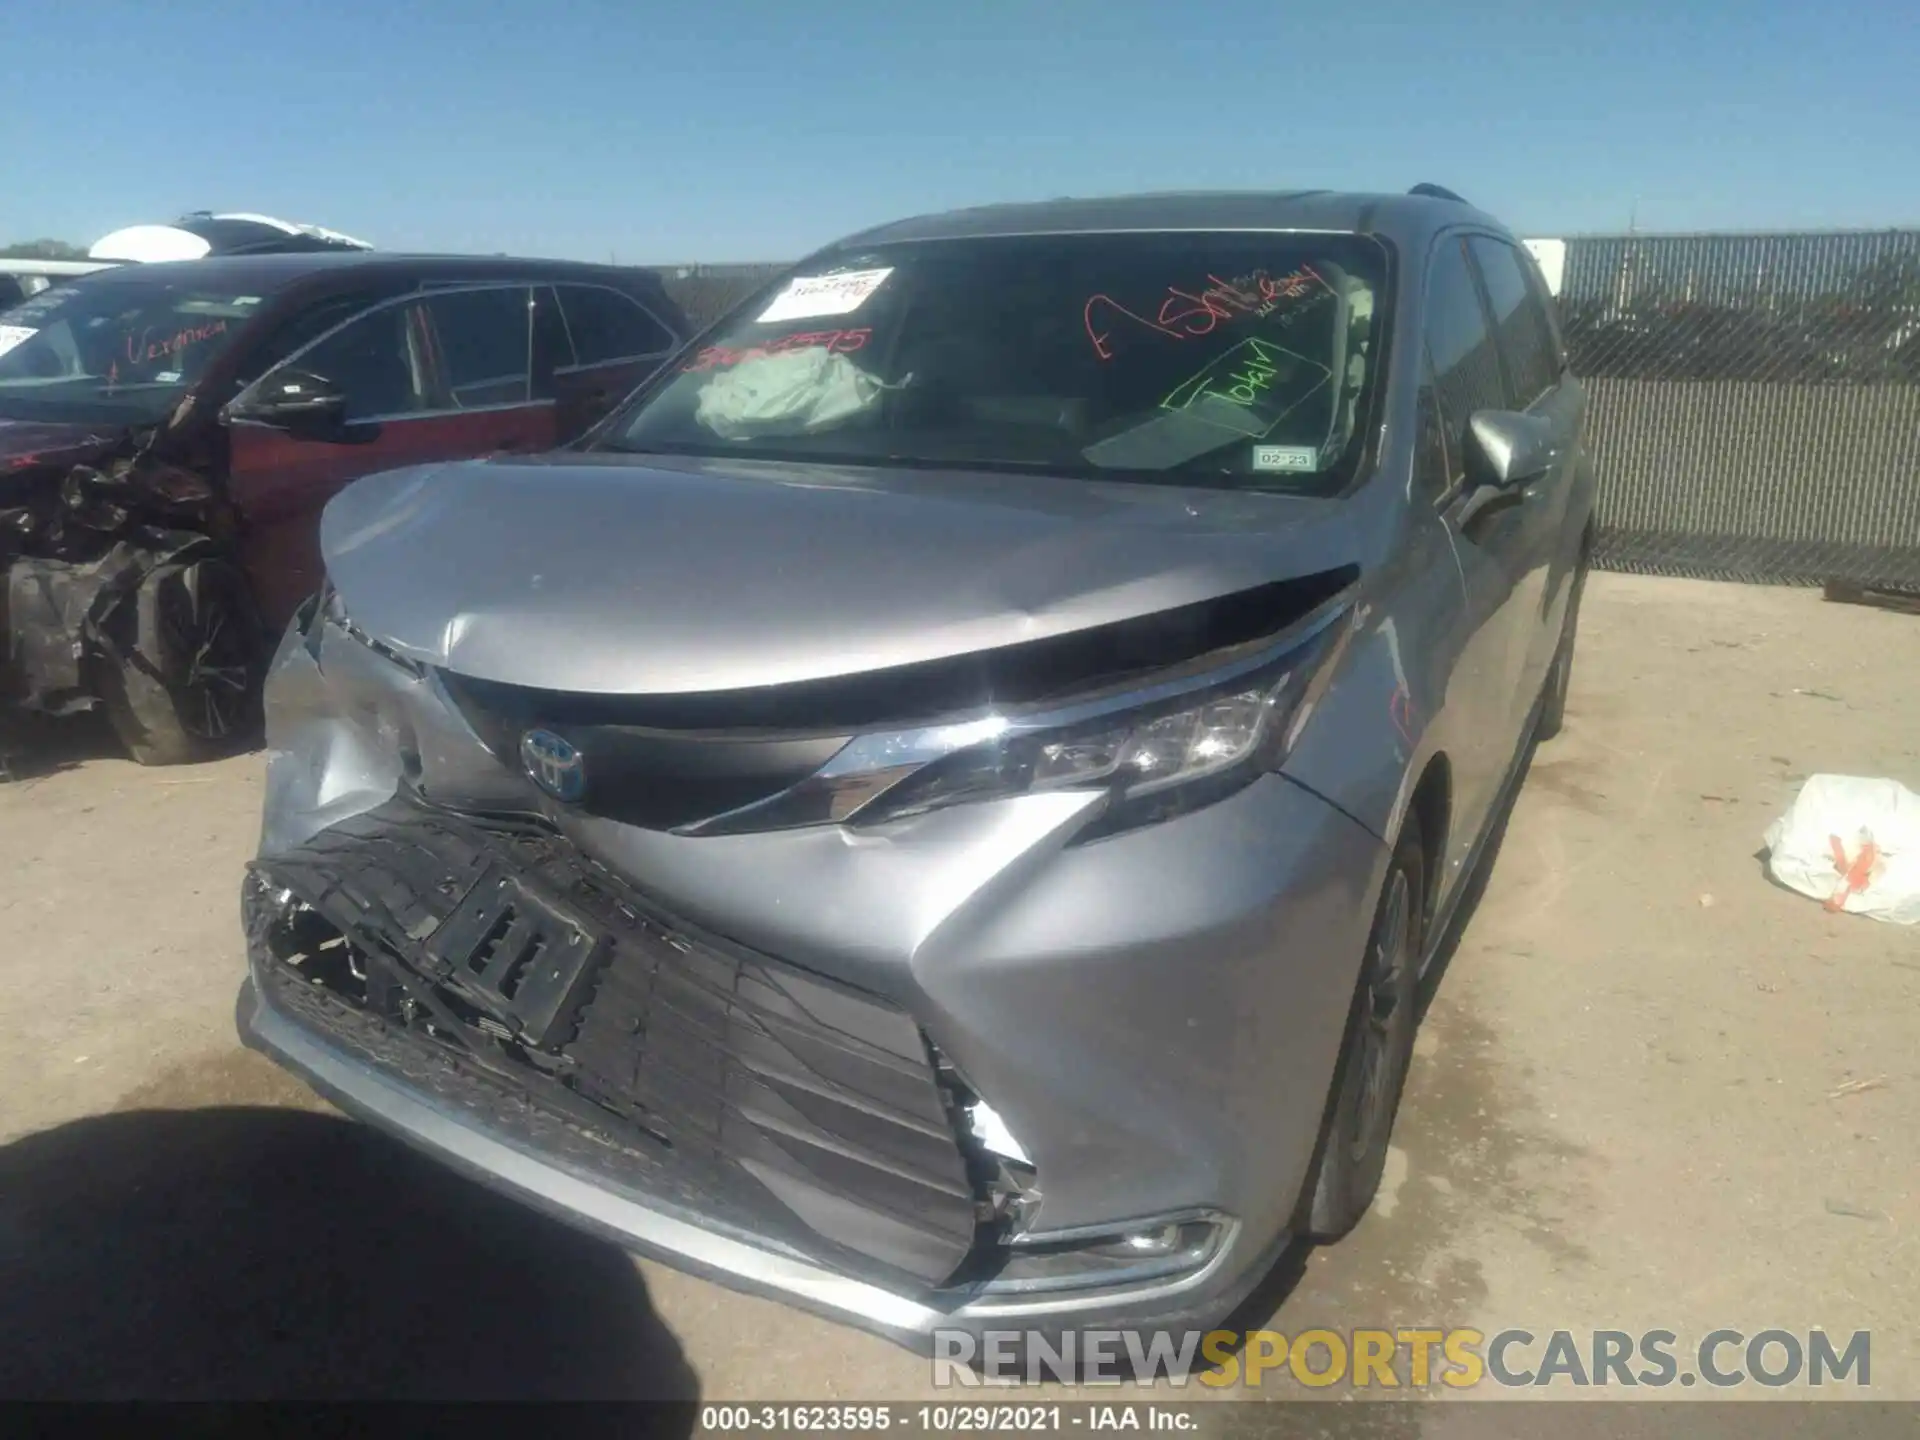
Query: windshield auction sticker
[811,295]
[12,335]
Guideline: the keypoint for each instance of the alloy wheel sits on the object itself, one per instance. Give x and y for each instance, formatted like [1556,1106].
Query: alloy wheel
[208,650]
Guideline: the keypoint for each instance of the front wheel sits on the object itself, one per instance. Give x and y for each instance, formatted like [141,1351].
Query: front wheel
[182,681]
[1373,1057]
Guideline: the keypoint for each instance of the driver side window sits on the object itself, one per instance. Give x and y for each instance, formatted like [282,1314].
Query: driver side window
[1466,367]
[377,361]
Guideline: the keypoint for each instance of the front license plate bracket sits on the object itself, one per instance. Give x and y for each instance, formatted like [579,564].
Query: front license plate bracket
[521,957]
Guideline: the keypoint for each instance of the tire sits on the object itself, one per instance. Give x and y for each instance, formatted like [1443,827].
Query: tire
[1553,699]
[1374,1056]
[182,681]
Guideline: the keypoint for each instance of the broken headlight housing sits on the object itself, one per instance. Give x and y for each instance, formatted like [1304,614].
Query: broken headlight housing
[1156,750]
[330,609]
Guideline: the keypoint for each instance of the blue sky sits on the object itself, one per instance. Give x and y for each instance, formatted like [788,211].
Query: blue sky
[750,129]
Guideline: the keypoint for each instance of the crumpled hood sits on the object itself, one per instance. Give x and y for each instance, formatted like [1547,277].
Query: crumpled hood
[615,575]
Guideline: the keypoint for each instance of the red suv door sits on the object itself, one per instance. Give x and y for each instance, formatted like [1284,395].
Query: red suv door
[439,375]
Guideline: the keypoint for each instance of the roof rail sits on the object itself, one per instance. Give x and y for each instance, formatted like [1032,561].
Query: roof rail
[1437,192]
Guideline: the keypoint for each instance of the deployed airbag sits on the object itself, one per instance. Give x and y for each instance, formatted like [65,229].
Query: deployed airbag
[786,394]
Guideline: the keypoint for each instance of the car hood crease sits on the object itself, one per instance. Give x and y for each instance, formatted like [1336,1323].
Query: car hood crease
[609,575]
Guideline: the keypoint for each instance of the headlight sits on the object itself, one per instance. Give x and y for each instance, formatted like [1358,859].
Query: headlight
[1134,757]
[1154,750]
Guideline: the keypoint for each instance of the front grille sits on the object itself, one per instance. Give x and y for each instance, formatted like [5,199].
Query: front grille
[658,778]
[509,967]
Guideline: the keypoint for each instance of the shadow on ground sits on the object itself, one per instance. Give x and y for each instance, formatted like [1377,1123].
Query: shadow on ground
[245,1253]
[34,746]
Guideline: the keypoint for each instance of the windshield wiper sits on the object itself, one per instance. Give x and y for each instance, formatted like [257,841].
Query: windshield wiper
[988,464]
[710,452]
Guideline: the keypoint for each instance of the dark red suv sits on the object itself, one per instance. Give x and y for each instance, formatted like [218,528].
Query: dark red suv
[170,433]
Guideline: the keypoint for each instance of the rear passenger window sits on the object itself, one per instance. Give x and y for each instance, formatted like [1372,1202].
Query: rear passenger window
[484,339]
[552,345]
[607,326]
[1524,331]
[1466,368]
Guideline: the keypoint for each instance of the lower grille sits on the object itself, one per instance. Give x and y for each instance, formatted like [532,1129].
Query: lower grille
[771,1099]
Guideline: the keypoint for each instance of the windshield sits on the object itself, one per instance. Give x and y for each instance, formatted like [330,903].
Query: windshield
[1206,359]
[120,351]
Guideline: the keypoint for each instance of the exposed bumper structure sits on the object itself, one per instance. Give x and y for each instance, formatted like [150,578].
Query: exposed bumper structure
[974,1072]
[689,1241]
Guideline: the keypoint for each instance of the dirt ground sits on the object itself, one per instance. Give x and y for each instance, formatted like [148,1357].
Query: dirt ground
[1625,1110]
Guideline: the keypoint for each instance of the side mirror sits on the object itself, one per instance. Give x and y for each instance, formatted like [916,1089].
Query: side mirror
[1509,448]
[290,397]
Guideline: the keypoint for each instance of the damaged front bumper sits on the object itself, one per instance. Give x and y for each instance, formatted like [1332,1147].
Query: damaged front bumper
[972,1074]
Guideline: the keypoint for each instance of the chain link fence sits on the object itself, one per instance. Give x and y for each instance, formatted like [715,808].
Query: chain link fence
[1755,398]
[706,292]
[1755,402]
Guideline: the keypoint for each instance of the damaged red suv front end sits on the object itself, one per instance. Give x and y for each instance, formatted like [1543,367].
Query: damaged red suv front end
[116,536]
[86,514]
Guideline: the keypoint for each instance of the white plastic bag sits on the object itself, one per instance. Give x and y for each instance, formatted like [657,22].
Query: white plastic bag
[1853,844]
[785,394]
